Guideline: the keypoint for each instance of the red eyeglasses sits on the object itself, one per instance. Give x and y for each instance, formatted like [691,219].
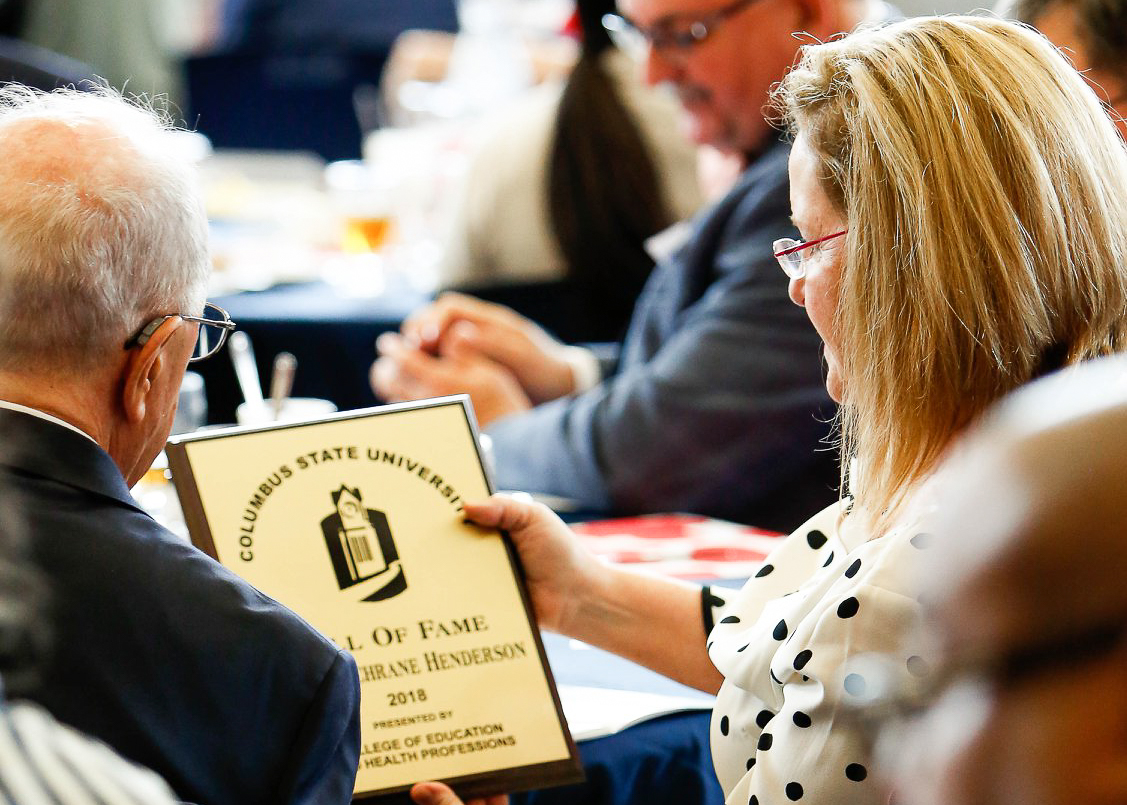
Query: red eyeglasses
[788,251]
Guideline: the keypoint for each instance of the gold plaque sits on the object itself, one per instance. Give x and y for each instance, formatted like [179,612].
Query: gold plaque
[355,522]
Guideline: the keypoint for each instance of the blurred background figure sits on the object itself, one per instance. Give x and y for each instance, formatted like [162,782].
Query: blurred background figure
[38,67]
[1026,597]
[1093,33]
[11,17]
[303,25]
[713,401]
[286,74]
[570,183]
[135,44]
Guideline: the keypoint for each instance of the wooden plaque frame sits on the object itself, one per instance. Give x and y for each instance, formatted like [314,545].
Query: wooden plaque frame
[214,471]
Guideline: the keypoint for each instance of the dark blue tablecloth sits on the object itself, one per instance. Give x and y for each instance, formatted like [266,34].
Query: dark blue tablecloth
[665,761]
[330,334]
[661,762]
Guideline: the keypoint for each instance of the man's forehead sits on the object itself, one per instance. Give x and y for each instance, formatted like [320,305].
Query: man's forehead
[1036,533]
[652,11]
[980,611]
[1059,25]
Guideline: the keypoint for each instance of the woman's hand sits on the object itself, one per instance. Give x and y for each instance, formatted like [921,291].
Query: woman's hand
[650,620]
[439,794]
[560,572]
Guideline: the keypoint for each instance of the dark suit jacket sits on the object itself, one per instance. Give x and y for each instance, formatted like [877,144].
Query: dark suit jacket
[717,404]
[164,654]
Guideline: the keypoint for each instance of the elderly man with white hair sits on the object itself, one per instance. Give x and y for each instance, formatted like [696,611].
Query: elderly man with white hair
[157,650]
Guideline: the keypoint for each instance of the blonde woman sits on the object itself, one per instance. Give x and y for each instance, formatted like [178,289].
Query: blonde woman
[961,194]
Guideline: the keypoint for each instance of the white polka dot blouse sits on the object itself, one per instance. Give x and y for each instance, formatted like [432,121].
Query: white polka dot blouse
[825,594]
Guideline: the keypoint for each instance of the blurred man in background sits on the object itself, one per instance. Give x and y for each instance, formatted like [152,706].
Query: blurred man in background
[1093,33]
[714,402]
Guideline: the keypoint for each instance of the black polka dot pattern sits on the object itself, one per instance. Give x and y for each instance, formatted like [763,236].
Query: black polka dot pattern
[714,600]
[848,608]
[729,619]
[817,618]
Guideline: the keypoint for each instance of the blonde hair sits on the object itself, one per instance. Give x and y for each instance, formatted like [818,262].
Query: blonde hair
[102,226]
[985,190]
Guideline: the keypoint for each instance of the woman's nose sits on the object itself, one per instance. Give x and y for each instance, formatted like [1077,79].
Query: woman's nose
[658,68]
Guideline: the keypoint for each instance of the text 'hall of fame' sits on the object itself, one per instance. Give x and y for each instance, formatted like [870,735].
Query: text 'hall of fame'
[356,523]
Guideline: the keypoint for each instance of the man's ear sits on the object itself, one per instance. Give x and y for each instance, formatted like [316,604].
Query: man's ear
[144,365]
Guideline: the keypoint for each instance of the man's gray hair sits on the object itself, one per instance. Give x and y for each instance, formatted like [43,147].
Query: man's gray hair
[102,226]
[1101,24]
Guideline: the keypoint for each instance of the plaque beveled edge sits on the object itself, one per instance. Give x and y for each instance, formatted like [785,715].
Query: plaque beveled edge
[570,770]
[486,784]
[184,480]
[518,778]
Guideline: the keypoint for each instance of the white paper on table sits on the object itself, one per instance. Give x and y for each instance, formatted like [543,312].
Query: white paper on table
[598,712]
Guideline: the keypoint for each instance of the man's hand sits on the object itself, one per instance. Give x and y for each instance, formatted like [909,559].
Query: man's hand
[459,323]
[439,794]
[405,372]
